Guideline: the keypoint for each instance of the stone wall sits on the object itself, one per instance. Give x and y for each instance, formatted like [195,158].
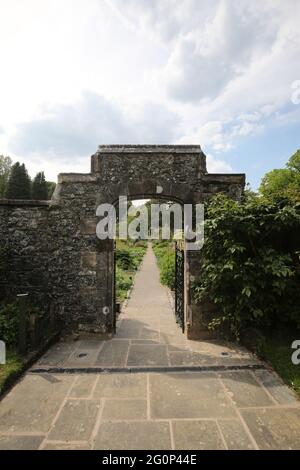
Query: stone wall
[56,241]
[24,230]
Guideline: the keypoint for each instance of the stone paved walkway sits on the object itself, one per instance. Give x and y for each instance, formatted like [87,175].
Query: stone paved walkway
[232,409]
[147,336]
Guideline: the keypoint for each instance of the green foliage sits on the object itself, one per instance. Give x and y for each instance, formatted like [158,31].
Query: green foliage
[39,187]
[124,281]
[250,265]
[283,184]
[165,255]
[126,260]
[294,162]
[50,188]
[19,184]
[5,169]
[10,371]
[129,255]
[9,321]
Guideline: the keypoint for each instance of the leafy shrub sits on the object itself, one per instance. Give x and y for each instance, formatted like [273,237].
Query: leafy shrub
[165,255]
[125,260]
[129,255]
[250,263]
[123,282]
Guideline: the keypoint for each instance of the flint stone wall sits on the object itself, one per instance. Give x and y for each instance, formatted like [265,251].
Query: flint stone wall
[53,245]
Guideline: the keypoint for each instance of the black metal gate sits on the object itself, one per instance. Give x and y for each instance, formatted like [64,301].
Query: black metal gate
[115,288]
[179,285]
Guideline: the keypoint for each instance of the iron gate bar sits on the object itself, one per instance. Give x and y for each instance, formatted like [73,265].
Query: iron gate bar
[115,289]
[179,285]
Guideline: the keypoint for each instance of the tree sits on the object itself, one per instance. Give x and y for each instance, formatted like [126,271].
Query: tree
[39,187]
[5,169]
[51,187]
[284,183]
[294,162]
[19,183]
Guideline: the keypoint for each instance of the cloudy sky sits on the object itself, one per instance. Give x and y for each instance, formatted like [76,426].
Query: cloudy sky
[219,73]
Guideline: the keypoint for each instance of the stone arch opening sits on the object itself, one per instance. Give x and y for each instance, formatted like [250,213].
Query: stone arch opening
[62,232]
[180,292]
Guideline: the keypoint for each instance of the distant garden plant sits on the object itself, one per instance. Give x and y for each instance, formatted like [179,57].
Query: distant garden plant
[165,254]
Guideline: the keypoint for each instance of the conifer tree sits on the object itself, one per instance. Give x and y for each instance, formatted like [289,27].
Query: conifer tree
[39,187]
[5,168]
[19,183]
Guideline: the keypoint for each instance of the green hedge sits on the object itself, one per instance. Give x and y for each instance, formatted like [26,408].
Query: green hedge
[250,263]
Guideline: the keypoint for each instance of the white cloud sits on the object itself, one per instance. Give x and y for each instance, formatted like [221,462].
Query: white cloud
[215,165]
[212,72]
[68,131]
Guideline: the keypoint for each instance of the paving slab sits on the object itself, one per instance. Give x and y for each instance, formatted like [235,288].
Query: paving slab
[52,445]
[197,435]
[121,385]
[124,410]
[82,358]
[88,344]
[20,442]
[235,435]
[75,421]
[83,386]
[245,390]
[148,355]
[188,395]
[275,386]
[33,403]
[58,354]
[113,354]
[138,435]
[277,428]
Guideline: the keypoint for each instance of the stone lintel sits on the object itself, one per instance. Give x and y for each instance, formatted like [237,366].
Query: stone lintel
[234,178]
[76,178]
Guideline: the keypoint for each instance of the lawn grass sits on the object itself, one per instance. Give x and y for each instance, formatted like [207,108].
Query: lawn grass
[10,370]
[277,350]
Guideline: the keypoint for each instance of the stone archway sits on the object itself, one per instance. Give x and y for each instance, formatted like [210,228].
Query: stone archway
[57,239]
[136,171]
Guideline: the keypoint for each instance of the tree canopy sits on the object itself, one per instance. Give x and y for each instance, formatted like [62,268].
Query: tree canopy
[19,183]
[5,169]
[39,187]
[284,183]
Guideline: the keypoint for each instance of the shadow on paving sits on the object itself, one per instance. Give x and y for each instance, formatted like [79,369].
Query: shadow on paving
[162,410]
[147,336]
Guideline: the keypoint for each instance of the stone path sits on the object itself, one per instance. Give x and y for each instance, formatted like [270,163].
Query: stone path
[147,336]
[232,409]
